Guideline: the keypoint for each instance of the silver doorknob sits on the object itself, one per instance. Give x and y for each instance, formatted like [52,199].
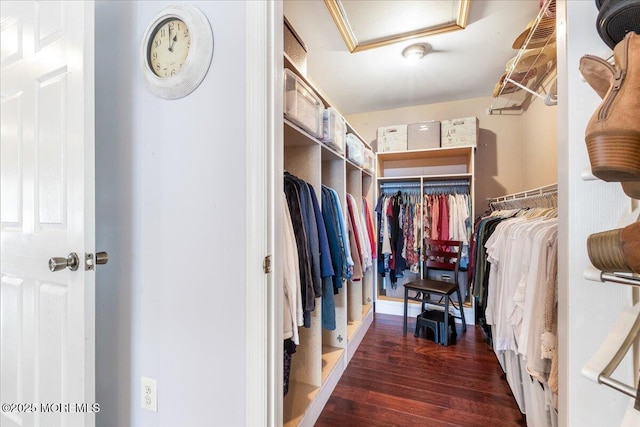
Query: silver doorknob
[71,262]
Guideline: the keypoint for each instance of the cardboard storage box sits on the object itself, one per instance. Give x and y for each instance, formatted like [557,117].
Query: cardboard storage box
[392,138]
[302,105]
[460,132]
[294,47]
[423,135]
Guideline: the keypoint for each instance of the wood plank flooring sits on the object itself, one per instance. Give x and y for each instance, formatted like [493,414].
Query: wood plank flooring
[396,380]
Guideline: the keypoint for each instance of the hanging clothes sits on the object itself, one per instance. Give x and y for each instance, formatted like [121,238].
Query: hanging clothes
[367,218]
[293,312]
[447,216]
[340,217]
[332,201]
[317,271]
[514,273]
[397,249]
[292,192]
[326,268]
[359,251]
[354,243]
[311,229]
[406,218]
[336,243]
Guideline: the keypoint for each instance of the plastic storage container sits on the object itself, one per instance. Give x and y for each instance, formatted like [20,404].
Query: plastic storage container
[369,160]
[355,149]
[334,129]
[301,105]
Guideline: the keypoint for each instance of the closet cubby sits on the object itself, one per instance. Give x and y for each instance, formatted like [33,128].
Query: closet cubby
[322,355]
[419,170]
[429,163]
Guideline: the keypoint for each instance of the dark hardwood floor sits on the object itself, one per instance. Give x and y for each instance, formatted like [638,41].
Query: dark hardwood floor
[396,380]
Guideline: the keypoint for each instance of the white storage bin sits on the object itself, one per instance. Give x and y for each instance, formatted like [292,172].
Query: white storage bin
[460,132]
[355,149]
[392,138]
[301,105]
[369,160]
[334,129]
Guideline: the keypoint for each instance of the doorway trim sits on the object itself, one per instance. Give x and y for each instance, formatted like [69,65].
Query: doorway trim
[264,189]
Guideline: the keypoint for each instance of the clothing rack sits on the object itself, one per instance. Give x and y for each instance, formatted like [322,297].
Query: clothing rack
[462,183]
[396,185]
[544,197]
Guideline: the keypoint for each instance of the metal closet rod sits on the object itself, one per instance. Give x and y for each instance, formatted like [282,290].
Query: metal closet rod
[386,185]
[617,385]
[446,183]
[600,276]
[424,184]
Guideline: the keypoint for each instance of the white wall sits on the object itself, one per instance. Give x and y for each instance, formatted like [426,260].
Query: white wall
[539,145]
[586,309]
[171,213]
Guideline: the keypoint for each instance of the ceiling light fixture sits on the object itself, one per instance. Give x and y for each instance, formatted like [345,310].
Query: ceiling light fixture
[414,53]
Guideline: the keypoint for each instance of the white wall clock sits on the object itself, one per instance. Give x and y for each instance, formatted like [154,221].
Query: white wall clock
[176,51]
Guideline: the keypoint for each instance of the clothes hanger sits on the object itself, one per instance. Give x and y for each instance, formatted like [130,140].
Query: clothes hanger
[613,349]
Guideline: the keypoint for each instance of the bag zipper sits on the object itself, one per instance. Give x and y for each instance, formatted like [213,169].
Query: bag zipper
[618,78]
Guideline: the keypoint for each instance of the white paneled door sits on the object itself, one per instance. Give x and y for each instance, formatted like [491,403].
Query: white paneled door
[47,210]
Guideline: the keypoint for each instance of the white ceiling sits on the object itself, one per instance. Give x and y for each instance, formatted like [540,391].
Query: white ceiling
[460,65]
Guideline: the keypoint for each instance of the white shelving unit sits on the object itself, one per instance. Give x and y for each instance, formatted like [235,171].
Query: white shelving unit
[323,355]
[421,168]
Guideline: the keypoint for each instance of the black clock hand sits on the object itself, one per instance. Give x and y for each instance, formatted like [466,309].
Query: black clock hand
[171,44]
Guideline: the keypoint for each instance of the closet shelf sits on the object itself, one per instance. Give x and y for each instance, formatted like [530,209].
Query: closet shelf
[620,278]
[330,358]
[323,355]
[325,100]
[352,328]
[433,163]
[399,179]
[532,71]
[295,136]
[429,153]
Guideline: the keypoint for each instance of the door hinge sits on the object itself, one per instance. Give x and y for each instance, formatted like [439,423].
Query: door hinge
[266,264]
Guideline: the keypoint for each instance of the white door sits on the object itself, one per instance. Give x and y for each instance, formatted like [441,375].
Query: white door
[47,210]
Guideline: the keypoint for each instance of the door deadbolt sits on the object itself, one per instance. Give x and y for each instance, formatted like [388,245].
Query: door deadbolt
[100,258]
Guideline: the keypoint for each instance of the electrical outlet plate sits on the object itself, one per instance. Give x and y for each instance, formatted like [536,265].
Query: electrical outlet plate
[149,394]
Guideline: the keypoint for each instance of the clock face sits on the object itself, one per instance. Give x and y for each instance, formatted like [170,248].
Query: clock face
[169,47]
[176,51]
